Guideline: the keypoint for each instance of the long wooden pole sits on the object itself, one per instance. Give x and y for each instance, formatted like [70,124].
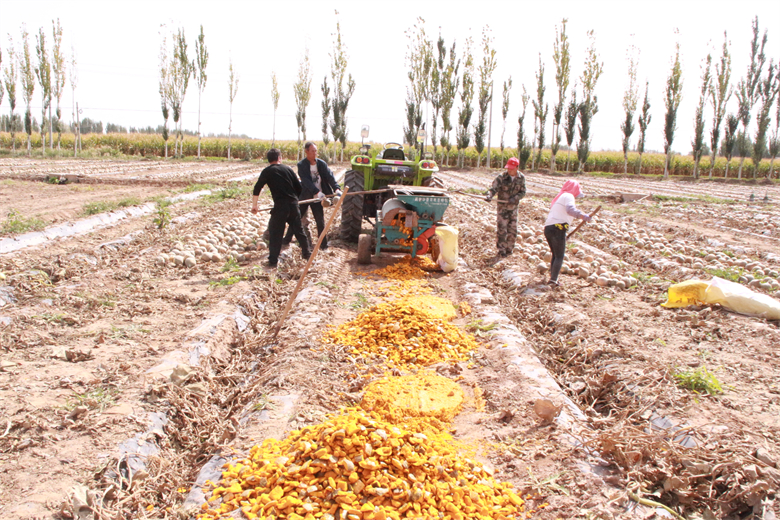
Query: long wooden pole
[278,326]
[583,223]
[480,197]
[343,194]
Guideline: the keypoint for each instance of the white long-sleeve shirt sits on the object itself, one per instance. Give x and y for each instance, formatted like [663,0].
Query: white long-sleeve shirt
[563,211]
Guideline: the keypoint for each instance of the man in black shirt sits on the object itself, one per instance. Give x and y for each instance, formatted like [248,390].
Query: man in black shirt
[285,189]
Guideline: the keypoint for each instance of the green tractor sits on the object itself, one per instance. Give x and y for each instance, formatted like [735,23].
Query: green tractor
[377,171]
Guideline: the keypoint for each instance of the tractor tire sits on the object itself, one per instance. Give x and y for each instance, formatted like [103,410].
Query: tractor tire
[364,249]
[352,207]
[433,182]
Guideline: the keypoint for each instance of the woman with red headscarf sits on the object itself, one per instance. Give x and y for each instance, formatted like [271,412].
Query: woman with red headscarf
[562,212]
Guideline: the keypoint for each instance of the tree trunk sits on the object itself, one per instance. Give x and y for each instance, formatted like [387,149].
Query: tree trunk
[568,155]
[712,164]
[667,160]
[771,172]
[638,169]
[230,128]
[625,162]
[552,162]
[741,161]
[696,168]
[199,92]
[51,135]
[726,173]
[43,130]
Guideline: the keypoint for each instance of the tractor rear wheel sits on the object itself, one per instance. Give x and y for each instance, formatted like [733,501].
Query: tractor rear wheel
[352,207]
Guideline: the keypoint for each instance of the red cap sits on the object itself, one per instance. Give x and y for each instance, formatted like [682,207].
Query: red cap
[512,163]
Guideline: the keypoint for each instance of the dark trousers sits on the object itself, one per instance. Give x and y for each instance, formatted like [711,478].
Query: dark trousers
[319,218]
[281,214]
[556,239]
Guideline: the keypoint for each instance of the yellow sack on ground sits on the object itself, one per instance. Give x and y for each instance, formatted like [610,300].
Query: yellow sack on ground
[448,255]
[686,293]
[738,298]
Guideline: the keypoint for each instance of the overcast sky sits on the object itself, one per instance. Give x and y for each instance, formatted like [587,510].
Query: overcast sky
[117,44]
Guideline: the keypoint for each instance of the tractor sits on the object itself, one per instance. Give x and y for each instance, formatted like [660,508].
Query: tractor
[374,172]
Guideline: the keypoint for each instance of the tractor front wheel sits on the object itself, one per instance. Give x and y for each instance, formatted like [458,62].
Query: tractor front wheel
[352,207]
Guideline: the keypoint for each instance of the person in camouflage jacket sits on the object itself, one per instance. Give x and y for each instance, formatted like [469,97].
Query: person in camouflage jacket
[509,188]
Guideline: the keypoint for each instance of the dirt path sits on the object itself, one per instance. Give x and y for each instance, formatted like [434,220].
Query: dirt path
[96,327]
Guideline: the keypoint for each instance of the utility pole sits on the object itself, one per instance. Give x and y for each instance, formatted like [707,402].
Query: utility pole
[490,124]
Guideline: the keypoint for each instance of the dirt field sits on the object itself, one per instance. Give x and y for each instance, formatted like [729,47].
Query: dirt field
[125,379]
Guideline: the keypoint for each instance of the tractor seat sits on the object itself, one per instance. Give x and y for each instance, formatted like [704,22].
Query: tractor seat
[393,154]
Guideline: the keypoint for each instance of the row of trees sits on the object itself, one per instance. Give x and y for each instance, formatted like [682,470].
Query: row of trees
[757,89]
[434,81]
[45,69]
[177,68]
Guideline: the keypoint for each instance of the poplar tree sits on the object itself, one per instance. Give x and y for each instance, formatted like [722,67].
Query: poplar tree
[561,57]
[43,73]
[232,91]
[698,127]
[450,82]
[540,113]
[419,59]
[729,140]
[326,109]
[630,99]
[201,60]
[342,92]
[413,119]
[58,67]
[720,92]
[275,100]
[466,97]
[505,109]
[28,84]
[674,85]
[10,73]
[437,78]
[747,89]
[644,122]
[164,87]
[485,97]
[589,105]
[570,127]
[181,70]
[302,92]
[523,147]
[767,91]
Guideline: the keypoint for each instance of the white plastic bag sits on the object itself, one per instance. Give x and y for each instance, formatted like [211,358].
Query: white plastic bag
[739,298]
[448,248]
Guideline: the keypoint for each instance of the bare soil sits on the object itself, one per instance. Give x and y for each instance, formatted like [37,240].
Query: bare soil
[94,317]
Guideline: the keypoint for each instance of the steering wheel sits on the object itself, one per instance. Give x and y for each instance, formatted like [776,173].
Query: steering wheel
[394,145]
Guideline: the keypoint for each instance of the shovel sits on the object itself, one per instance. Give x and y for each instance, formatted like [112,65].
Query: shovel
[583,222]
